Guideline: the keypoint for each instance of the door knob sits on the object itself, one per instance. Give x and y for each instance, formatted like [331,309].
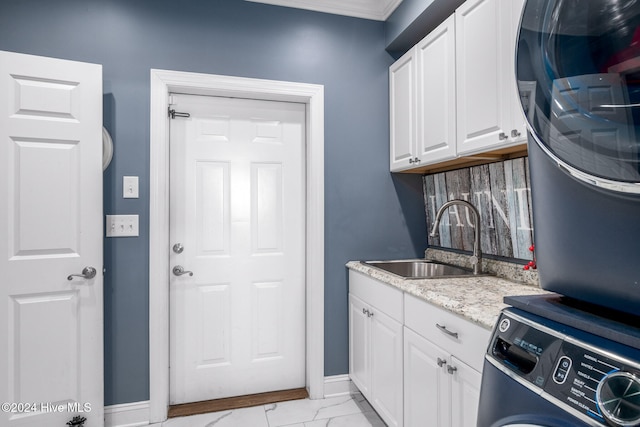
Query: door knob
[178,248]
[179,270]
[87,273]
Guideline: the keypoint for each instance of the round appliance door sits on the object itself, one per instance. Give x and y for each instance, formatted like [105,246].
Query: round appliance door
[578,72]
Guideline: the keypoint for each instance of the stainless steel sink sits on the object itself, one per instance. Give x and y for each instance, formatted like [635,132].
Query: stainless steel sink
[420,269]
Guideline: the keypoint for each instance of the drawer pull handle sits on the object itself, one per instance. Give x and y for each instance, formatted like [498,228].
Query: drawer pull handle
[446,331]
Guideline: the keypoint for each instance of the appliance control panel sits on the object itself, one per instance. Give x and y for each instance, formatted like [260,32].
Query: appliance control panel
[590,382]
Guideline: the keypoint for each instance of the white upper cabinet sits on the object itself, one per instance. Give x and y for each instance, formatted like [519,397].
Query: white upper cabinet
[436,98]
[402,97]
[488,110]
[454,94]
[422,97]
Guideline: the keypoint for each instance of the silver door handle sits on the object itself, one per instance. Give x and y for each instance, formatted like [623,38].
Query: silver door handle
[87,273]
[446,331]
[179,270]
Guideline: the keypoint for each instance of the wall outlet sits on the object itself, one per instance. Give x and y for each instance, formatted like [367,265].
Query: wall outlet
[122,225]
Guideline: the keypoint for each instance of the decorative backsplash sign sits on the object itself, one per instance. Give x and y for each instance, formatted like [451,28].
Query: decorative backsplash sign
[502,194]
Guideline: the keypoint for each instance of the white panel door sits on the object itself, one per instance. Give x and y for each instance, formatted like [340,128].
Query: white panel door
[359,345]
[465,394]
[402,110]
[427,387]
[437,94]
[238,210]
[483,40]
[386,367]
[51,328]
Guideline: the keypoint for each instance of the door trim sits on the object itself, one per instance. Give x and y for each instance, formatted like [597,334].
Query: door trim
[164,82]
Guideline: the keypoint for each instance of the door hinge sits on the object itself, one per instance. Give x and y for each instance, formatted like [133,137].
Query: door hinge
[173,114]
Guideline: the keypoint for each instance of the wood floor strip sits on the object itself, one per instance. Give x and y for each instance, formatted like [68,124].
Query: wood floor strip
[228,403]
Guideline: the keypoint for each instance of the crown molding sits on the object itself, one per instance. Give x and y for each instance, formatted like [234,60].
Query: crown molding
[378,10]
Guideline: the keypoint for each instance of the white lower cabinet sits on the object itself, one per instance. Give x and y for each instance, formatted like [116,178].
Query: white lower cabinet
[417,364]
[439,389]
[375,345]
[443,357]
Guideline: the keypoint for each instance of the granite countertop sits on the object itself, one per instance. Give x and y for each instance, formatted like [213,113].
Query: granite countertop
[478,299]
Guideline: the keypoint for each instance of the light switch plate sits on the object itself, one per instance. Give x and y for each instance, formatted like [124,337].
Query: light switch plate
[122,225]
[130,187]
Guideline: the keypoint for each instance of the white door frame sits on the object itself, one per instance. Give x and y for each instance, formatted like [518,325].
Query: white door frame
[164,82]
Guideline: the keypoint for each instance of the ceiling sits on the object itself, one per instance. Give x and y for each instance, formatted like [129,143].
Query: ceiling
[378,10]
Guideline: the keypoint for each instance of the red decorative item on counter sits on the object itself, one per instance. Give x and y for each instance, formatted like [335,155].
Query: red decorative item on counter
[531,264]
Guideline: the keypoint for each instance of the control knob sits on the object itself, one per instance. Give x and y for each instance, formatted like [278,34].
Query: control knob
[618,397]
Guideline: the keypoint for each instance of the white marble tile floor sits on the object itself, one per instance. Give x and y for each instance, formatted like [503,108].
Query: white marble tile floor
[343,411]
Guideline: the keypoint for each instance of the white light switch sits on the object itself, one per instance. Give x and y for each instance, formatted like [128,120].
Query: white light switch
[122,225]
[130,187]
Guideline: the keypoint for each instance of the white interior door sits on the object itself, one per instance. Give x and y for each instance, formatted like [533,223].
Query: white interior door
[51,328]
[237,211]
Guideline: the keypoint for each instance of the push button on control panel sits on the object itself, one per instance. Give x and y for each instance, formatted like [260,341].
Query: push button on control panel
[560,374]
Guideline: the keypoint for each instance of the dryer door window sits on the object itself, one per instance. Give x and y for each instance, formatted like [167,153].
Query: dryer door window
[578,70]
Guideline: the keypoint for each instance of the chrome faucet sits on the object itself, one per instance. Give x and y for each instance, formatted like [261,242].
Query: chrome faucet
[476,259]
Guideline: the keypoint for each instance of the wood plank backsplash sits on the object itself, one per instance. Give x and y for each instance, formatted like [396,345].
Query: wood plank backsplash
[502,194]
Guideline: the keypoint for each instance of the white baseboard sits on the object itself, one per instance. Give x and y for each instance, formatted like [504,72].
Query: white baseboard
[127,415]
[338,385]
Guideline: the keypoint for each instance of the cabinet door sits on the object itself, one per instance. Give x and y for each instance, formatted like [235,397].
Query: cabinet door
[518,128]
[359,345]
[402,110]
[465,394]
[437,94]
[483,38]
[386,367]
[426,383]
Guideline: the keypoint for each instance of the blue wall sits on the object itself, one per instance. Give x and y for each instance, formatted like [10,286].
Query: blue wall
[369,214]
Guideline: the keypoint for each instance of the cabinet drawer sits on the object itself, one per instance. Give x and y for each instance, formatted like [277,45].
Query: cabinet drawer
[377,294]
[471,342]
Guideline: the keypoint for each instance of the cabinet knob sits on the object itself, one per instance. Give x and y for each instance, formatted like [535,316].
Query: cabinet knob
[367,312]
[451,369]
[502,136]
[515,133]
[414,160]
[441,362]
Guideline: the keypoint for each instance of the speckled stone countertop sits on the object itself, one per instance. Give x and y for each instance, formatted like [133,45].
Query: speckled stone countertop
[478,299]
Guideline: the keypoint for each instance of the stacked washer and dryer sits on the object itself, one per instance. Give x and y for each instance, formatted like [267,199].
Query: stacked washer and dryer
[573,358]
